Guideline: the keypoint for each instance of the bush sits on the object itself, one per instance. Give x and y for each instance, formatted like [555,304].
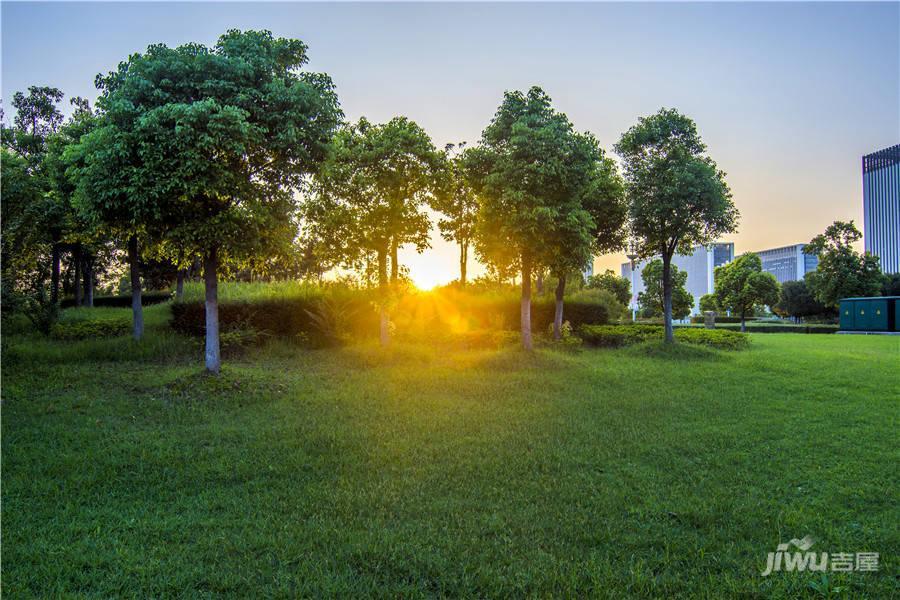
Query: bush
[759,327]
[722,319]
[147,299]
[615,336]
[90,329]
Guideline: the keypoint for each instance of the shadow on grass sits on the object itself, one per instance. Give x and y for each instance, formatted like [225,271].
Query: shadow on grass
[678,352]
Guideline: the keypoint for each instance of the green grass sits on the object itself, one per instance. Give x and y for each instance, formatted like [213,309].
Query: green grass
[640,472]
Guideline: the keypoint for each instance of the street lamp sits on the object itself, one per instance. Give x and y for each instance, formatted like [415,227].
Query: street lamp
[632,256]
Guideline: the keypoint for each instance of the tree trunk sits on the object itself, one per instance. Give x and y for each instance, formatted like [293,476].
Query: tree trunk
[179,284]
[77,261]
[558,316]
[526,304]
[667,297]
[463,260]
[210,278]
[743,323]
[137,311]
[395,267]
[54,273]
[89,281]
[539,284]
[382,289]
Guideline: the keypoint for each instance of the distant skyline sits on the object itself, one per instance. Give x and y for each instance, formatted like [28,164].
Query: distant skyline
[788,97]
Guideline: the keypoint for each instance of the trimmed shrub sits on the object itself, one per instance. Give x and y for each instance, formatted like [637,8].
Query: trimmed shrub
[616,336]
[89,329]
[147,299]
[758,327]
[722,319]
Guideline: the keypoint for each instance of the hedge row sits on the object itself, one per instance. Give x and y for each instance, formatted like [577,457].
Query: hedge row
[721,319]
[616,336]
[777,328]
[147,298]
[322,320]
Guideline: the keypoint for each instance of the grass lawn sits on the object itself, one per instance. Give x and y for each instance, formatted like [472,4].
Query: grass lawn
[420,472]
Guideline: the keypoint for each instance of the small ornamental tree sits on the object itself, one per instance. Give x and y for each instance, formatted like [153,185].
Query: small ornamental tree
[652,299]
[370,197]
[708,303]
[456,200]
[742,284]
[203,148]
[677,195]
[843,272]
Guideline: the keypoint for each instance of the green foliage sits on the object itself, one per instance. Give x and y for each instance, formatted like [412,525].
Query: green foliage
[90,329]
[677,195]
[614,336]
[651,299]
[842,272]
[708,303]
[891,284]
[742,284]
[456,200]
[603,297]
[620,287]
[798,300]
[147,299]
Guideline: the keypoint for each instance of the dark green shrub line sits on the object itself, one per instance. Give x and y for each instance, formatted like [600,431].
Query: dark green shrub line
[321,320]
[722,319]
[147,299]
[89,329]
[616,336]
[775,327]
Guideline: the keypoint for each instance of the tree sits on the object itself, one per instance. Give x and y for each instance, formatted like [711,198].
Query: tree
[797,300]
[891,284]
[842,272]
[619,287]
[531,172]
[203,148]
[708,303]
[677,195]
[371,193]
[653,298]
[742,284]
[456,199]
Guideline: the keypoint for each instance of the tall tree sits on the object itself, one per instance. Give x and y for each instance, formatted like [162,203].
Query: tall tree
[523,174]
[456,199]
[742,284]
[653,298]
[371,194]
[591,222]
[843,272]
[677,195]
[208,145]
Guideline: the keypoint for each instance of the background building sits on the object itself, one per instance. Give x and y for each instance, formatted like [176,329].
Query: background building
[881,206]
[700,267]
[788,263]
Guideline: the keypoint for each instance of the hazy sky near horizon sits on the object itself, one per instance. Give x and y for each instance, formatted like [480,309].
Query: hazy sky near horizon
[788,97]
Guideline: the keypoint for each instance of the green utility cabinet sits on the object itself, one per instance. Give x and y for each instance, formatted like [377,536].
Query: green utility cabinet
[848,315]
[870,314]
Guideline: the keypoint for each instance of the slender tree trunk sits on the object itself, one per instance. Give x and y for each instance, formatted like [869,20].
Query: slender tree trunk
[743,323]
[539,283]
[558,316]
[179,284]
[210,278]
[526,304]
[463,260]
[395,266]
[77,261]
[382,292]
[667,297]
[54,272]
[137,311]
[89,280]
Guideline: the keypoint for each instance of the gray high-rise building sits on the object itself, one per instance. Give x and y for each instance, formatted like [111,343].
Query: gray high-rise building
[881,206]
[699,265]
[788,263]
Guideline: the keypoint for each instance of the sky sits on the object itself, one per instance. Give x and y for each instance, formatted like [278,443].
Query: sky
[787,96]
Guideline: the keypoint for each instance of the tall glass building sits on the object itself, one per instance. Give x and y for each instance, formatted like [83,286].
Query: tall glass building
[881,206]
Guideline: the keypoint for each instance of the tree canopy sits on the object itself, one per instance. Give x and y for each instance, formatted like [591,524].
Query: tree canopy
[652,299]
[742,285]
[842,272]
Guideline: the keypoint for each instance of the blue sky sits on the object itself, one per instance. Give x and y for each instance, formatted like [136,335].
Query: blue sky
[787,96]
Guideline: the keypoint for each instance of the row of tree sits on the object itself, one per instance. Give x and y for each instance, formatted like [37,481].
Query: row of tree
[234,157]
